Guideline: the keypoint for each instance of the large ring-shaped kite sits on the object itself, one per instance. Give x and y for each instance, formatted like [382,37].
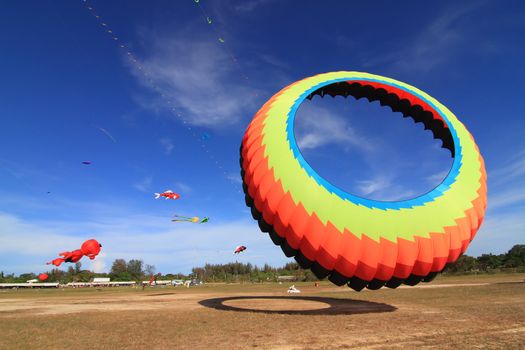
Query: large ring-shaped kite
[361,242]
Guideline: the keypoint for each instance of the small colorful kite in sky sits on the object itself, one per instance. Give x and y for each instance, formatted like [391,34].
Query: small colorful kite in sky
[193,219]
[239,249]
[169,194]
[108,134]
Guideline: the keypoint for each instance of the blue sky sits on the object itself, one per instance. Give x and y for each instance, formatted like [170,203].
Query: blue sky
[177,121]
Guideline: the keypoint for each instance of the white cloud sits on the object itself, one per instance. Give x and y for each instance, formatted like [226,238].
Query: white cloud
[197,77]
[250,5]
[437,178]
[434,44]
[381,187]
[507,182]
[167,144]
[182,187]
[144,185]
[171,247]
[378,184]
[498,233]
[332,130]
[21,171]
[513,168]
[234,178]
[99,264]
[502,199]
[31,238]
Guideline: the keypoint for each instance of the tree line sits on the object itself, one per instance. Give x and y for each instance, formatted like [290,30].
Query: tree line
[121,270]
[512,261]
[239,272]
[136,270]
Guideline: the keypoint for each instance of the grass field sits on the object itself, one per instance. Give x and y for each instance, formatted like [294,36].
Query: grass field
[465,312]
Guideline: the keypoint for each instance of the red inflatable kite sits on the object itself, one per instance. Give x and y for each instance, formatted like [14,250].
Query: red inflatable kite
[43,277]
[239,249]
[90,248]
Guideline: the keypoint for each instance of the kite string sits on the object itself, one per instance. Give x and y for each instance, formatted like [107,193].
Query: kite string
[131,57]
[224,43]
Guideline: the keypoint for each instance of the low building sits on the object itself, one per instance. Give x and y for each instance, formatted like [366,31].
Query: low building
[158,283]
[101,280]
[29,285]
[122,283]
[106,282]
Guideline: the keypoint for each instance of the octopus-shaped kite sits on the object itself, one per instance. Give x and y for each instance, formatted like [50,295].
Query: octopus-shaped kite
[90,248]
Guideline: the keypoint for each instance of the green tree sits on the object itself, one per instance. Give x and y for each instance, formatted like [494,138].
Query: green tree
[488,262]
[149,270]
[135,269]
[119,266]
[123,276]
[515,257]
[26,277]
[70,274]
[56,275]
[464,263]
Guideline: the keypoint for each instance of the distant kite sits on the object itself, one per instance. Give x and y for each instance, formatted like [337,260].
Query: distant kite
[350,239]
[169,194]
[86,162]
[239,249]
[108,134]
[152,279]
[43,276]
[194,219]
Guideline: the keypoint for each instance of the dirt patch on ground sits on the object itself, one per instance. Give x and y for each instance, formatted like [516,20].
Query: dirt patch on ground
[256,302]
[469,314]
[276,305]
[43,306]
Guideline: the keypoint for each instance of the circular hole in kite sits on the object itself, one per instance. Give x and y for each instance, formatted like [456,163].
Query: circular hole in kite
[367,149]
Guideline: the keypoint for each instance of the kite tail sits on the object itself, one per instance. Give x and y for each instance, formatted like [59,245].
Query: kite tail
[157,195]
[56,262]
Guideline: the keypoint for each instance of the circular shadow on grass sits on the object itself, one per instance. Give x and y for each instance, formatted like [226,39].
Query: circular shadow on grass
[332,306]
